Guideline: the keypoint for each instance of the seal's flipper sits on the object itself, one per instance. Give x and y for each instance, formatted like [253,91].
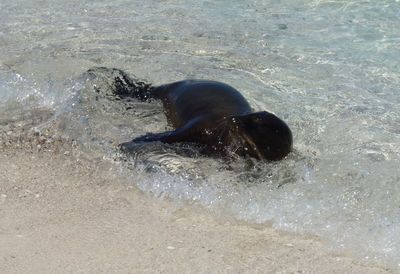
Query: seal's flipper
[149,137]
[186,133]
[120,84]
[154,137]
[127,87]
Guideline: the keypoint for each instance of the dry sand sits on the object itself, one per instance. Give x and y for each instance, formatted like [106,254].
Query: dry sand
[60,215]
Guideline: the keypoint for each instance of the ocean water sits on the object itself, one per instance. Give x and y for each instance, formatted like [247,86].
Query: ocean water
[331,69]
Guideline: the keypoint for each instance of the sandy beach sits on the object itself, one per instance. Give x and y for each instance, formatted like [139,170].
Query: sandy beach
[60,214]
[70,202]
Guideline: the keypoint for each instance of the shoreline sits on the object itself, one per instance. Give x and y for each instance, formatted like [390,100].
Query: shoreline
[60,214]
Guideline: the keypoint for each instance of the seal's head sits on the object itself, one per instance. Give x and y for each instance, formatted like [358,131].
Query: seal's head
[262,135]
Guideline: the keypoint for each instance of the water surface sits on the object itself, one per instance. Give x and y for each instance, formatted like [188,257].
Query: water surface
[331,69]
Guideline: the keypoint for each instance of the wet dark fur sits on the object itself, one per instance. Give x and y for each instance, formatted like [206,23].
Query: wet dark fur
[210,113]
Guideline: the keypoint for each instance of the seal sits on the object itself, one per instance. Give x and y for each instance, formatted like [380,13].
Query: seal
[213,114]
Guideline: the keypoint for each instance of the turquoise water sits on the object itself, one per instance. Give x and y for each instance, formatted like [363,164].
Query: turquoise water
[331,69]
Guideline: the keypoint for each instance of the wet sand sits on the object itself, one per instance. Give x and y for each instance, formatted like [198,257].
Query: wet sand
[60,214]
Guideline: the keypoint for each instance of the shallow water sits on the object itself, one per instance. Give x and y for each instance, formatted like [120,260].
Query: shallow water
[331,69]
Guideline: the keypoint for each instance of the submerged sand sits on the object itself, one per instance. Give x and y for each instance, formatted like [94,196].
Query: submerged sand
[60,214]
